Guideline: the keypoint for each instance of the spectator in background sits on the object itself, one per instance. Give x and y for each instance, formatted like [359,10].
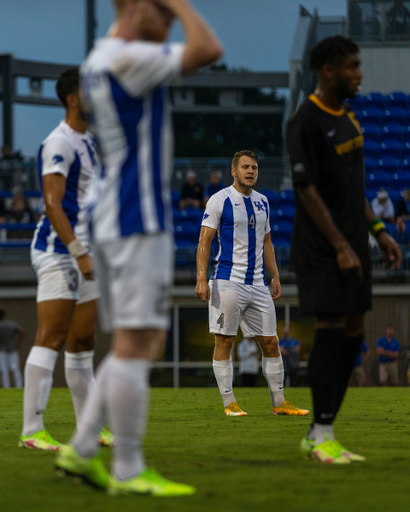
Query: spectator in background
[192,192]
[11,337]
[359,373]
[403,211]
[290,348]
[382,207]
[388,349]
[215,185]
[248,355]
[20,210]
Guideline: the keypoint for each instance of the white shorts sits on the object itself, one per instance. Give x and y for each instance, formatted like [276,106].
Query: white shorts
[135,278]
[235,304]
[59,277]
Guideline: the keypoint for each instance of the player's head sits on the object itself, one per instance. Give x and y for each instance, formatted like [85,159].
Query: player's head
[286,331]
[336,61]
[245,168]
[150,19]
[390,331]
[67,88]
[2,314]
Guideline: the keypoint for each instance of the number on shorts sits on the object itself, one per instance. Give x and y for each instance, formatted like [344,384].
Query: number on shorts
[252,221]
[72,279]
[221,320]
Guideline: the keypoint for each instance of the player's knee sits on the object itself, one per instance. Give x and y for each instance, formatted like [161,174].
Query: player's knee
[54,340]
[224,342]
[82,343]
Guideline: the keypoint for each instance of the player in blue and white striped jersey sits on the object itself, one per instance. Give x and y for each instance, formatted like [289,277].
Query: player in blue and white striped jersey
[67,291]
[237,290]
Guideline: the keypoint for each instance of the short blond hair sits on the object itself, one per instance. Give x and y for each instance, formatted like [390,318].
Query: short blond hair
[244,152]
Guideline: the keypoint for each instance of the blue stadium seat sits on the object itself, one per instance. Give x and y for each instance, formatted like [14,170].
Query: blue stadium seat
[405,162]
[400,180]
[374,115]
[376,180]
[388,164]
[370,163]
[394,195]
[287,213]
[396,99]
[360,117]
[371,131]
[391,147]
[282,229]
[356,103]
[373,99]
[271,196]
[397,115]
[219,161]
[370,195]
[185,230]
[280,242]
[192,214]
[286,198]
[182,162]
[371,148]
[393,131]
[175,196]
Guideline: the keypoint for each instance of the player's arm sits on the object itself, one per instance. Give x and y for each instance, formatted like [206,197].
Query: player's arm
[54,186]
[272,268]
[316,208]
[20,335]
[202,290]
[202,46]
[386,243]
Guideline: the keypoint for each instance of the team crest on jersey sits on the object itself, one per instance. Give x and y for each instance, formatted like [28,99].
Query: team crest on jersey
[58,159]
[205,216]
[259,206]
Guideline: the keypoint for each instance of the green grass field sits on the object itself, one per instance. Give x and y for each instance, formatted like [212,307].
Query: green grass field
[237,464]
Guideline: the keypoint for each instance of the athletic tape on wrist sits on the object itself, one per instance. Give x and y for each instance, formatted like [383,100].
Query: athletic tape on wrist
[76,248]
[376,226]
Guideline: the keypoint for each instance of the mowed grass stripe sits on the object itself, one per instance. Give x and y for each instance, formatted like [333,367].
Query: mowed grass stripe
[237,464]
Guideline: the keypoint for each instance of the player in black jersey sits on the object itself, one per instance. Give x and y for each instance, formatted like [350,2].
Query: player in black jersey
[330,252]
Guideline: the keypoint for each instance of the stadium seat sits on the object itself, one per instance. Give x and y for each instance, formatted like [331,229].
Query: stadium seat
[393,131]
[376,180]
[271,196]
[192,214]
[405,162]
[400,180]
[222,162]
[281,242]
[394,195]
[356,103]
[282,230]
[182,162]
[396,115]
[371,131]
[175,197]
[397,99]
[286,198]
[390,147]
[185,230]
[370,164]
[371,148]
[374,115]
[287,213]
[388,164]
[373,100]
[370,195]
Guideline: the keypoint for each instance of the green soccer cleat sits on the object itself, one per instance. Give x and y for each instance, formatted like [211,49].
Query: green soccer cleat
[306,446]
[40,441]
[149,482]
[92,471]
[353,457]
[329,452]
[106,438]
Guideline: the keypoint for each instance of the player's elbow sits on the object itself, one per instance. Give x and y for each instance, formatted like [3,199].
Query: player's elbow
[201,55]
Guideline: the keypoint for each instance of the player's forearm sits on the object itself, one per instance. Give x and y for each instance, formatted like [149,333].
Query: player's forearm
[60,222]
[270,260]
[202,258]
[202,46]
[321,216]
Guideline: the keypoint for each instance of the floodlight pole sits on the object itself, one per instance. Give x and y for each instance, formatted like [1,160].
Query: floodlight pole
[91,24]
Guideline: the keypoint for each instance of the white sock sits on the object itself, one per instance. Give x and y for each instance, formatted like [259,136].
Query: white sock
[38,376]
[223,371]
[319,431]
[94,413]
[127,405]
[272,369]
[79,375]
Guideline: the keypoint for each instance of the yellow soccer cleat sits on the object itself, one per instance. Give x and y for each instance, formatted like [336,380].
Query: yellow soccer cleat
[329,452]
[353,457]
[41,440]
[287,409]
[234,410]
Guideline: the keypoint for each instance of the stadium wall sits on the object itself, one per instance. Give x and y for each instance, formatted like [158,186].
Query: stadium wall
[385,68]
[391,304]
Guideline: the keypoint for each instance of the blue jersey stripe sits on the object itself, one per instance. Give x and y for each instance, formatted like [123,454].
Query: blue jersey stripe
[251,241]
[157,121]
[130,111]
[226,241]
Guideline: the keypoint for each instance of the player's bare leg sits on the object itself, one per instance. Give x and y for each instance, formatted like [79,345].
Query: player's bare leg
[273,371]
[54,319]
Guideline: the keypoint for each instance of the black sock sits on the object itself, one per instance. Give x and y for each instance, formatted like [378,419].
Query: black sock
[345,365]
[322,373]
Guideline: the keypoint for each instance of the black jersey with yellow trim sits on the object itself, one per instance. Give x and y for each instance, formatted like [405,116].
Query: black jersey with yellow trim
[326,149]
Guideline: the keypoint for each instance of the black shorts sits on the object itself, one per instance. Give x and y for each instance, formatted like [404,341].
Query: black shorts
[332,292]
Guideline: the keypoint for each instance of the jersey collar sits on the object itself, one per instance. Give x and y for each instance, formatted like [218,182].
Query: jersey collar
[330,111]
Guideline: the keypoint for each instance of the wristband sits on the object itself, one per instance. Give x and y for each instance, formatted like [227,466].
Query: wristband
[376,226]
[76,248]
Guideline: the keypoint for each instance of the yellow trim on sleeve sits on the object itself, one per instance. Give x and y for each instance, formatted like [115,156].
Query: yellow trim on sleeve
[317,102]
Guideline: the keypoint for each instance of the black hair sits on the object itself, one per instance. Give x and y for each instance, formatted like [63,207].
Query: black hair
[68,83]
[330,50]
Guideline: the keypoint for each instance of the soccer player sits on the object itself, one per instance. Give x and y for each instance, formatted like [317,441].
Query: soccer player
[237,291]
[67,291]
[124,86]
[11,337]
[330,251]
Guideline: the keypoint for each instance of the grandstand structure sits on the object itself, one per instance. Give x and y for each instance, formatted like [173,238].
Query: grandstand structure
[384,112]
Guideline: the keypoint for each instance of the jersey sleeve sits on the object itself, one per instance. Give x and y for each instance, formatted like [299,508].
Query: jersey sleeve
[267,224]
[213,212]
[304,145]
[57,155]
[144,66]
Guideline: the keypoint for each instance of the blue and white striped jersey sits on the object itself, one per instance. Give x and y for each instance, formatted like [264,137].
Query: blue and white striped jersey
[73,155]
[123,84]
[241,223]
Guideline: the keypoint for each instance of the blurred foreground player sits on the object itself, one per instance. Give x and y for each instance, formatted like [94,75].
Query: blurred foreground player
[124,81]
[237,291]
[330,251]
[67,291]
